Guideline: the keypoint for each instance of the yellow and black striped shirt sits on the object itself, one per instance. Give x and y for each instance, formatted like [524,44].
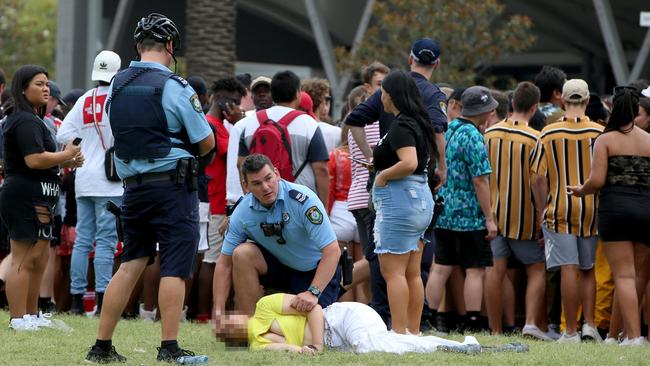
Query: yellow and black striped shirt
[510,147]
[563,154]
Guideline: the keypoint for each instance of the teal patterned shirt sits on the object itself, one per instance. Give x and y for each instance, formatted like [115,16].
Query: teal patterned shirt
[466,158]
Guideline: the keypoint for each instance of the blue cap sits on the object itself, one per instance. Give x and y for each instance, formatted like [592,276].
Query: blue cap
[55,92]
[425,51]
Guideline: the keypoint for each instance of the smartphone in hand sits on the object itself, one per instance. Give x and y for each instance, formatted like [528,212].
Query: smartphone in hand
[76,141]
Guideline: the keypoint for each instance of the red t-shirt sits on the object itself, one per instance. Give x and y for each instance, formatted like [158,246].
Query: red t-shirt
[217,169]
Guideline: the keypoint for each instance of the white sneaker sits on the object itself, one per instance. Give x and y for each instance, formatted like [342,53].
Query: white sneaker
[147,316]
[533,331]
[552,332]
[42,320]
[565,338]
[639,341]
[610,341]
[590,333]
[25,323]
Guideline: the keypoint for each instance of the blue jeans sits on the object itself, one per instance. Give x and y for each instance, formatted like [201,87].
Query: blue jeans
[94,225]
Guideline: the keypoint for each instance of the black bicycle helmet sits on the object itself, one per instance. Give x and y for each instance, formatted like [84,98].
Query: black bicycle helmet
[159,28]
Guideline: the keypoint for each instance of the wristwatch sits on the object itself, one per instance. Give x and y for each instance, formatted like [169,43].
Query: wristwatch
[314,291]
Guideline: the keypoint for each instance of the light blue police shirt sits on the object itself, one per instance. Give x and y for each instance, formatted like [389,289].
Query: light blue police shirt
[307,229]
[176,101]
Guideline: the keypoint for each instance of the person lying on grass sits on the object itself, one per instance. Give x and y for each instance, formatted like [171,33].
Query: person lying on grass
[344,326]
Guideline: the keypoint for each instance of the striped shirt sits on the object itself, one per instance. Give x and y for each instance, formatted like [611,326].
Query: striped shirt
[563,154]
[358,195]
[510,147]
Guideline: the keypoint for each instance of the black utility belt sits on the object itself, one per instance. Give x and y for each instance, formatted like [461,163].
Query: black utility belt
[186,172]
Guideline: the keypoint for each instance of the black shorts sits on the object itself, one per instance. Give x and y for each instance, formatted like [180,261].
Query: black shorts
[288,280]
[164,213]
[469,249]
[18,202]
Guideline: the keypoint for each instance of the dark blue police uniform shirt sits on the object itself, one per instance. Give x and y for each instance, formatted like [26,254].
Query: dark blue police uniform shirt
[372,109]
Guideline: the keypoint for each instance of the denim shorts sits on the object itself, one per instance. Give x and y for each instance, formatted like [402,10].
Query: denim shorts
[404,209]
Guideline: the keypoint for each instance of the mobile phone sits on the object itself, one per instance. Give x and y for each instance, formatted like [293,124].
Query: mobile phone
[362,162]
[76,141]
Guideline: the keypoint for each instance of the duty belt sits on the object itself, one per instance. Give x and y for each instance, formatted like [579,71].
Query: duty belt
[149,178]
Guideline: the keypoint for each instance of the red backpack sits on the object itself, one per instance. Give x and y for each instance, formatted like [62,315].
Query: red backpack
[272,139]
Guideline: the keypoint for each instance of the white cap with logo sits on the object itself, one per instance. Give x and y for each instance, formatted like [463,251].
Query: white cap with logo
[106,65]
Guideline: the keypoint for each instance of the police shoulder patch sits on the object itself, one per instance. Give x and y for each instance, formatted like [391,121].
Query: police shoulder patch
[314,215]
[298,196]
[196,103]
[180,79]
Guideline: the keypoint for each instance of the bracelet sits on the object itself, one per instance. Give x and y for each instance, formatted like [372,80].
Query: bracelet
[311,346]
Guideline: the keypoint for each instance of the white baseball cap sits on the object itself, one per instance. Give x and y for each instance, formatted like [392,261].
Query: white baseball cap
[106,65]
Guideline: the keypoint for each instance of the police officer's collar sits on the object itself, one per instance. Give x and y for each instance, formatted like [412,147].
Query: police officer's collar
[257,205]
[154,65]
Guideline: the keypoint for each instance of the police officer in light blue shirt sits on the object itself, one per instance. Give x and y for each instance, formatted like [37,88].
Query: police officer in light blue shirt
[159,132]
[278,237]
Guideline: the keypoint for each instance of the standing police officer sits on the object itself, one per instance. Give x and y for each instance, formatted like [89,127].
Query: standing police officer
[294,250]
[159,127]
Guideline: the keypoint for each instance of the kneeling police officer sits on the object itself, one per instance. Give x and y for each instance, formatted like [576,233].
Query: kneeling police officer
[160,130]
[280,238]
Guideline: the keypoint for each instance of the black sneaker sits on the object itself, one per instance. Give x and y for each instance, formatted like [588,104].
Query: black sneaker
[164,355]
[98,355]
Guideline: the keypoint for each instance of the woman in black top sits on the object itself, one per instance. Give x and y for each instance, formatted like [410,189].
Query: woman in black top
[30,192]
[402,199]
[620,171]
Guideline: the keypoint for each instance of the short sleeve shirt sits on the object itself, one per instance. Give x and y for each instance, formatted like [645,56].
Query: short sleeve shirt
[180,113]
[466,158]
[26,134]
[404,132]
[305,226]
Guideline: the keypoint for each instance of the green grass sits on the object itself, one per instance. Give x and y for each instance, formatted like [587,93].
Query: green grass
[138,341]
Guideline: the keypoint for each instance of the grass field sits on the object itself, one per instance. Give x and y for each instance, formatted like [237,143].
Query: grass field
[138,341]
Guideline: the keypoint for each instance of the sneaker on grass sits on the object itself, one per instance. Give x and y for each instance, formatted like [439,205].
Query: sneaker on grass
[639,341]
[98,355]
[565,338]
[164,355]
[611,341]
[590,333]
[532,331]
[26,323]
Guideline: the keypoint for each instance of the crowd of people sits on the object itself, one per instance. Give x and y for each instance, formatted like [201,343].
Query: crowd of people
[440,208]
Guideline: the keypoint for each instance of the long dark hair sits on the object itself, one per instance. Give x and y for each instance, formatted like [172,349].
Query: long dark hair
[406,97]
[625,108]
[21,80]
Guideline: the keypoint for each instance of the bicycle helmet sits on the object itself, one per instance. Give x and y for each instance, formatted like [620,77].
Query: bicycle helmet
[159,28]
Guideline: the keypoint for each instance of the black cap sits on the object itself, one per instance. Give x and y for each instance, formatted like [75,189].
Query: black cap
[425,51]
[55,92]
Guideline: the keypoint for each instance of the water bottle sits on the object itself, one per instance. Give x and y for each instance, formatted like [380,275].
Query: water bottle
[200,360]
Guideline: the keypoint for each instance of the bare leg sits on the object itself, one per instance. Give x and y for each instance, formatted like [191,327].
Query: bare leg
[170,300]
[248,265]
[569,287]
[474,288]
[23,268]
[205,288]
[41,252]
[393,269]
[151,284]
[493,293]
[416,290]
[436,284]
[588,295]
[535,291]
[115,298]
[509,297]
[620,256]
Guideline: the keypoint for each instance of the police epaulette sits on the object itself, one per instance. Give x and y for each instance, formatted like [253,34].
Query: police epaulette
[180,79]
[298,196]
